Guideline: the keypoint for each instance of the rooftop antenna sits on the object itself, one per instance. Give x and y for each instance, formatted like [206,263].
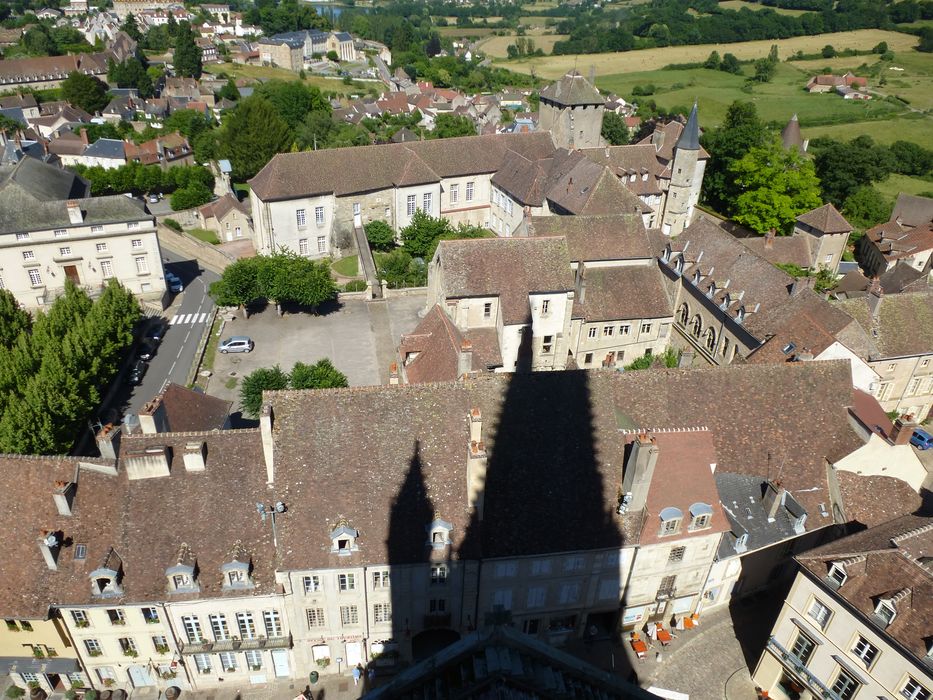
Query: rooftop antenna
[271,510]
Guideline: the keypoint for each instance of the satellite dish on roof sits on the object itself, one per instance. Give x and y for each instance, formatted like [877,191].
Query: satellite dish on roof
[51,540]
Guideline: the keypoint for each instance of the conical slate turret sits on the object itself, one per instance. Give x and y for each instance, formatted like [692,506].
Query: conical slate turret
[690,137]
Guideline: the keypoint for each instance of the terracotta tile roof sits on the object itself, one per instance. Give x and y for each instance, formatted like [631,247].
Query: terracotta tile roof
[221,207]
[794,250]
[867,411]
[190,411]
[510,268]
[577,185]
[811,324]
[895,242]
[826,219]
[912,210]
[626,161]
[623,292]
[290,175]
[591,238]
[436,344]
[144,522]
[668,134]
[888,566]
[682,477]
[554,447]
[485,347]
[23,70]
[902,324]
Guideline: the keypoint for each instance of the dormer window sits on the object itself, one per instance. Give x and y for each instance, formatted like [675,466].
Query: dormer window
[837,574]
[439,533]
[741,543]
[106,581]
[183,576]
[343,540]
[671,519]
[886,611]
[236,572]
[701,515]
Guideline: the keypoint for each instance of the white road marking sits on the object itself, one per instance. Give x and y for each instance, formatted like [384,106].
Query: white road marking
[174,320]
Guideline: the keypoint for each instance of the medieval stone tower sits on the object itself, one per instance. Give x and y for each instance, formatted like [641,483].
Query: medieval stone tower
[686,179]
[572,110]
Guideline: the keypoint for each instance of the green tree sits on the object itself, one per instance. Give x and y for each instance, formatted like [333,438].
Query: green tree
[828,51]
[85,91]
[926,40]
[713,62]
[866,207]
[449,125]
[193,195]
[380,235]
[293,100]
[730,64]
[333,56]
[764,71]
[287,277]
[258,381]
[14,320]
[229,91]
[238,286]
[462,231]
[321,375]
[740,131]
[911,159]
[777,186]
[187,57]
[420,237]
[252,135]
[400,270]
[614,129]
[188,122]
[130,27]
[845,167]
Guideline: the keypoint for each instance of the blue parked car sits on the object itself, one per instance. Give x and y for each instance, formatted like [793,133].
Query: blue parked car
[921,439]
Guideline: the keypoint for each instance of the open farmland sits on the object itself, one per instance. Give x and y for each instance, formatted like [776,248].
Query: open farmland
[715,90]
[894,184]
[651,59]
[236,70]
[497,46]
[739,4]
[919,130]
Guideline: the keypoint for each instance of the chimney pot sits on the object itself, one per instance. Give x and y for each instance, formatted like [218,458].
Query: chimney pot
[63,495]
[75,215]
[903,430]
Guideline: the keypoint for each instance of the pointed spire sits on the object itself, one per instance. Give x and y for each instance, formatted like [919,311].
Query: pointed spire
[690,137]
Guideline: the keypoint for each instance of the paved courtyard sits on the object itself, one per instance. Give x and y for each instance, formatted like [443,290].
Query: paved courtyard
[359,337]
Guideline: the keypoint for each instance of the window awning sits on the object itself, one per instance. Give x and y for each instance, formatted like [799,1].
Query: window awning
[811,633]
[850,669]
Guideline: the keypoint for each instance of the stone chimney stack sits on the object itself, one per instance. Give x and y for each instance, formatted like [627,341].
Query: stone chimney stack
[49,545]
[875,295]
[75,215]
[580,283]
[476,462]
[903,430]
[194,456]
[393,374]
[266,420]
[773,499]
[639,469]
[64,496]
[108,441]
[769,239]
[465,359]
[152,418]
[83,135]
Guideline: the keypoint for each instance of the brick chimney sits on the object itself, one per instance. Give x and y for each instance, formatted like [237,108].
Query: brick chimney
[769,239]
[639,469]
[64,494]
[83,135]
[476,462]
[152,418]
[465,359]
[393,374]
[903,430]
[108,441]
[773,499]
[75,214]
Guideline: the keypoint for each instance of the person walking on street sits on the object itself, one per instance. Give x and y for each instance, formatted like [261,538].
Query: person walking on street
[357,674]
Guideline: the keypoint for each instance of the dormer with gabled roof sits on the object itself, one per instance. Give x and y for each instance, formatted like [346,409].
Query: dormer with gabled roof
[237,570]
[343,539]
[107,579]
[183,574]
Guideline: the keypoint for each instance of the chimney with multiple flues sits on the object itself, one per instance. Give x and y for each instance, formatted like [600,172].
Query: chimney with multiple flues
[903,430]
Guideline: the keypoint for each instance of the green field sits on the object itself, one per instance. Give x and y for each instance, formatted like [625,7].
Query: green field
[901,183]
[716,90]
[739,4]
[904,128]
[236,70]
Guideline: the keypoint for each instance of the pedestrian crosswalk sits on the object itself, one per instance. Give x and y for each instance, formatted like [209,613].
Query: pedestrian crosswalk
[193,319]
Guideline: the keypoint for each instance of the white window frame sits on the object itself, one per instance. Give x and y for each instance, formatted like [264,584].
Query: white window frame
[101,247]
[819,613]
[346,582]
[322,244]
[272,623]
[29,255]
[427,202]
[319,216]
[315,617]
[301,218]
[454,193]
[302,246]
[35,277]
[382,613]
[311,584]
[142,265]
[865,651]
[411,204]
[349,615]
[136,243]
[470,191]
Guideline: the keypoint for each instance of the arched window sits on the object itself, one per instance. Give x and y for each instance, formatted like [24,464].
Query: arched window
[710,339]
[697,326]
[684,314]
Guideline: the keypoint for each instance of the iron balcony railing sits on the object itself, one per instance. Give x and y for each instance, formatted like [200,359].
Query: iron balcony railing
[207,647]
[799,670]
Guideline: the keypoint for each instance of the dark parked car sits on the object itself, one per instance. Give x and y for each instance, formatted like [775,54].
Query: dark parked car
[147,349]
[137,372]
[156,330]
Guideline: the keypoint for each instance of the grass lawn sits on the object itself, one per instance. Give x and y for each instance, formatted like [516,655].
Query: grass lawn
[649,59]
[776,101]
[204,235]
[895,184]
[457,32]
[236,70]
[348,266]
[919,130]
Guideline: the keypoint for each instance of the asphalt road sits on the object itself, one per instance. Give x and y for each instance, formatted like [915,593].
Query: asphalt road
[185,319]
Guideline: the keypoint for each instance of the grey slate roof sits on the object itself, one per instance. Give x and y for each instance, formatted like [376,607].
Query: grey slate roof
[572,89]
[42,181]
[912,210]
[105,148]
[690,137]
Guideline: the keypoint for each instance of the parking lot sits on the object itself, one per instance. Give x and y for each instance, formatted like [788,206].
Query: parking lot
[359,337]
